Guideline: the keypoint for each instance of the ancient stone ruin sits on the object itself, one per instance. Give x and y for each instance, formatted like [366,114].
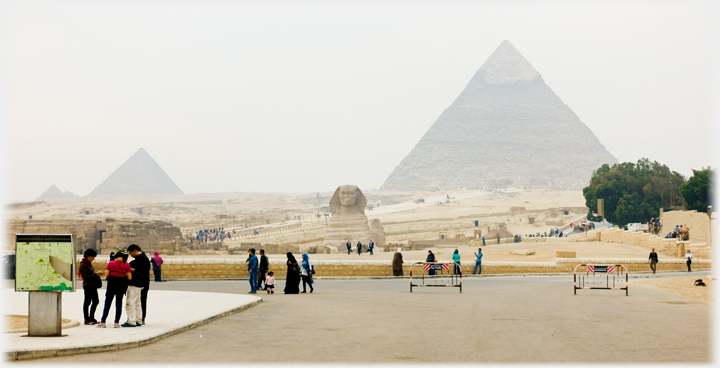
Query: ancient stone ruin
[348,220]
[377,233]
[507,128]
[104,236]
[140,174]
[498,230]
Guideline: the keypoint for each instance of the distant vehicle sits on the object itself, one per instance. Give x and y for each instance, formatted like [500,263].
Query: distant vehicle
[637,227]
[419,200]
[10,266]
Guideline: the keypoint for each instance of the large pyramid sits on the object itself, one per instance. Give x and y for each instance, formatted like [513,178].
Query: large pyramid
[140,174]
[506,128]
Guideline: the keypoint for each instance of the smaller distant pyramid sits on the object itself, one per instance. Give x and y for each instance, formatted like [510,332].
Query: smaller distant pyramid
[55,193]
[140,174]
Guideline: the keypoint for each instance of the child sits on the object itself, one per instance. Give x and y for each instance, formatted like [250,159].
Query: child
[117,273]
[270,283]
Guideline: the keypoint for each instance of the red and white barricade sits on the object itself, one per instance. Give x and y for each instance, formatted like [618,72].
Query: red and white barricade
[600,276]
[443,275]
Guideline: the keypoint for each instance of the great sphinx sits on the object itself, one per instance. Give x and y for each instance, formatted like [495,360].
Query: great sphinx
[348,220]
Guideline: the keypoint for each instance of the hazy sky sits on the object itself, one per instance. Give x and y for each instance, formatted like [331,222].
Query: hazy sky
[276,96]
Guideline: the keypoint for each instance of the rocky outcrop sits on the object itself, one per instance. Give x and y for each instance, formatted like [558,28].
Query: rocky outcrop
[507,128]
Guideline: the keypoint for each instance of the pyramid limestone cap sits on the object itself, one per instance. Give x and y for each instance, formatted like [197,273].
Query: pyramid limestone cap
[507,65]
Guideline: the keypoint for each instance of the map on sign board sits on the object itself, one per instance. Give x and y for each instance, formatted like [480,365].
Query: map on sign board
[44,263]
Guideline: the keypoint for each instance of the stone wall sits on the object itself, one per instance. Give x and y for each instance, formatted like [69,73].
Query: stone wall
[174,269]
[671,247]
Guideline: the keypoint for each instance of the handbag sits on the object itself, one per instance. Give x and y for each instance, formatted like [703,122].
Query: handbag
[98,282]
[312,269]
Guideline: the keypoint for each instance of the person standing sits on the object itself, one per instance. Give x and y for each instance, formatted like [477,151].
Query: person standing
[349,247]
[689,257]
[91,283]
[264,266]
[456,260]
[306,273]
[117,273]
[397,263]
[157,262]
[498,238]
[483,239]
[292,279]
[270,283]
[359,247]
[431,258]
[252,271]
[140,267]
[478,262]
[371,246]
[653,260]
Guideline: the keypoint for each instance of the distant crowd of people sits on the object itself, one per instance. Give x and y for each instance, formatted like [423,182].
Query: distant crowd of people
[212,235]
[583,226]
[553,233]
[681,232]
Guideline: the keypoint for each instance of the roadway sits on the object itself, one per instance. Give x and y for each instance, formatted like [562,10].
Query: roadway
[514,319]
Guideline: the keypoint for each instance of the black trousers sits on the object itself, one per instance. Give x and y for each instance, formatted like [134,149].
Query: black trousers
[158,275]
[349,251]
[689,262]
[261,279]
[91,302]
[306,280]
[143,301]
[653,265]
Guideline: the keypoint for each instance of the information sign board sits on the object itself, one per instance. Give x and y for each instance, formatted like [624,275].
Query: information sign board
[44,262]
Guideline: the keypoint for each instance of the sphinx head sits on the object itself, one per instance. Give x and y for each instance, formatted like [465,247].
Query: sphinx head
[348,196]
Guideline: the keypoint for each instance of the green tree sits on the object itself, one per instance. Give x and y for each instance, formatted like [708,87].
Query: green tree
[697,191]
[633,192]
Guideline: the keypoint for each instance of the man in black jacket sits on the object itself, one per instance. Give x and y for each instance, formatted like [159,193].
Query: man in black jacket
[263,268]
[349,247]
[136,304]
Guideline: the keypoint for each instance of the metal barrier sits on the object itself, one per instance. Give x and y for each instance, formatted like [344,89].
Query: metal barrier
[444,275]
[607,277]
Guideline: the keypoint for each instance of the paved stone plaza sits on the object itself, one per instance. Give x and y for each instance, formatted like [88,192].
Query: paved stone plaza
[189,309]
[511,319]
